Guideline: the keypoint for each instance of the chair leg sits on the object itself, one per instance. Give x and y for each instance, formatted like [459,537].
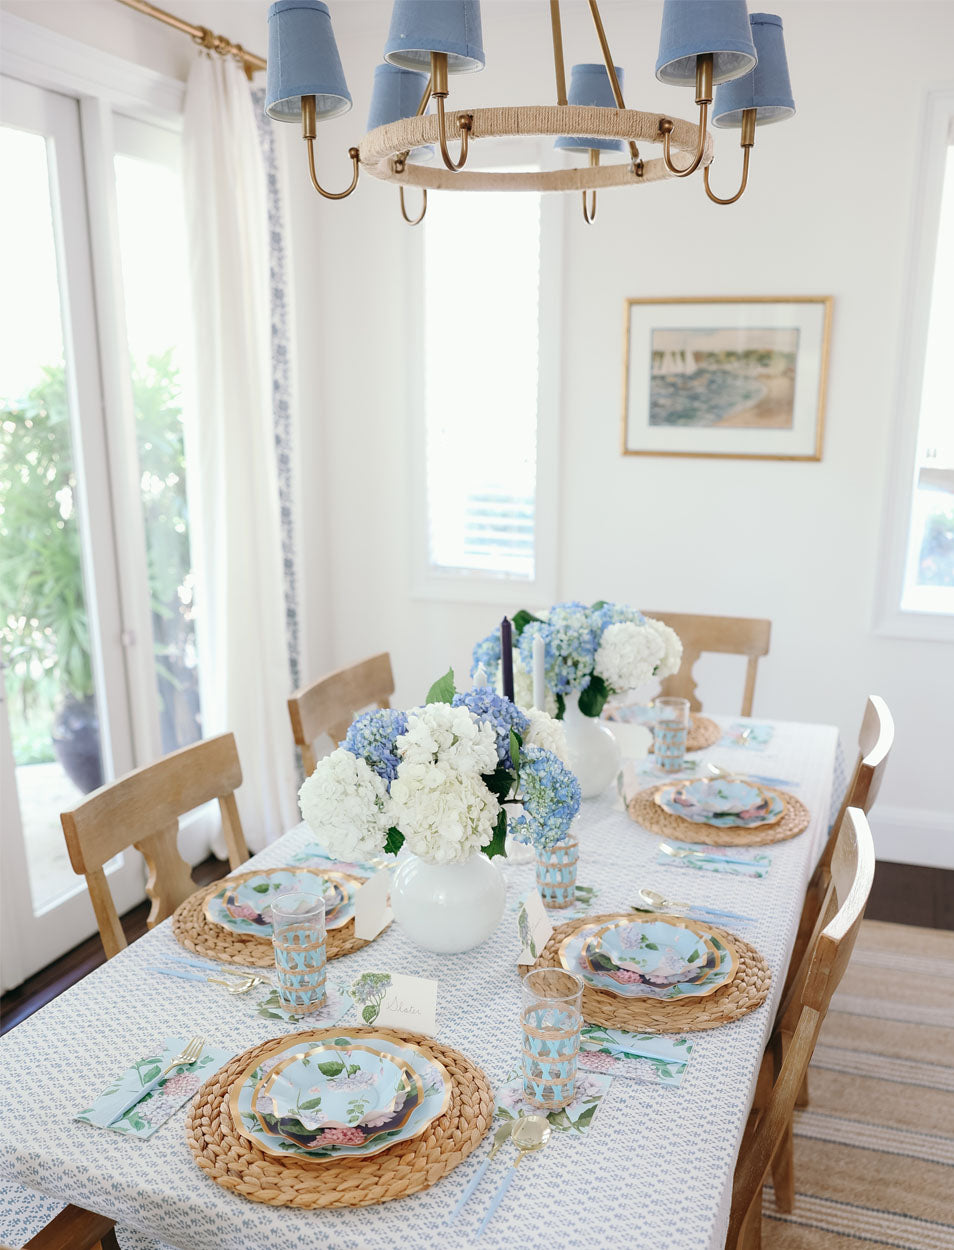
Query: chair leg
[783,1171]
[802,1099]
[750,1236]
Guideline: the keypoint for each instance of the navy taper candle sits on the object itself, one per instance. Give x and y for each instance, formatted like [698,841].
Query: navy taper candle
[506,657]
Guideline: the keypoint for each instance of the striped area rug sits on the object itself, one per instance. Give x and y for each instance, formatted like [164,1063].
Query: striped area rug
[874,1152]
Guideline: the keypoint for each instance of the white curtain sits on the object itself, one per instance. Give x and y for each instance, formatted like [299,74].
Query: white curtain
[230,445]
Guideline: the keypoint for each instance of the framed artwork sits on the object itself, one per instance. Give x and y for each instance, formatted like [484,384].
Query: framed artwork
[742,376]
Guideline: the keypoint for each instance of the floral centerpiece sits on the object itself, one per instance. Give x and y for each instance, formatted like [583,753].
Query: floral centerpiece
[439,780]
[589,654]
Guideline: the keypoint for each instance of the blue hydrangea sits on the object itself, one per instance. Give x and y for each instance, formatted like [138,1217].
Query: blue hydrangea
[373,737]
[487,652]
[551,798]
[571,635]
[615,614]
[499,713]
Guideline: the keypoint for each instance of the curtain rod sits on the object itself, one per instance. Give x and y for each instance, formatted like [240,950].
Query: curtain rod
[201,35]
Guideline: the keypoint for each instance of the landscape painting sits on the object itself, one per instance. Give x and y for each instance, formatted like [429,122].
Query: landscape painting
[730,377]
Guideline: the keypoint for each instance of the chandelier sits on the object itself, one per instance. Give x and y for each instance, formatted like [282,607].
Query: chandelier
[704,44]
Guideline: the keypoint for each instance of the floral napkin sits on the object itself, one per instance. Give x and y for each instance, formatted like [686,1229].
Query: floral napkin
[748,735]
[144,1118]
[591,1088]
[338,1002]
[759,861]
[642,1056]
[315,855]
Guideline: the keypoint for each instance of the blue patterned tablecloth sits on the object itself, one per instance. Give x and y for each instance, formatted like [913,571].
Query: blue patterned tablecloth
[655,1171]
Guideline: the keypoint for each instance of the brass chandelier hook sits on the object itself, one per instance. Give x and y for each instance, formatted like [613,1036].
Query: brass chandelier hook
[439,90]
[703,99]
[747,142]
[309,130]
[413,221]
[589,211]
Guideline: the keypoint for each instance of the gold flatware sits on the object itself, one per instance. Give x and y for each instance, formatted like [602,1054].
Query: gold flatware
[501,1136]
[529,1133]
[191,1054]
[657,902]
[685,852]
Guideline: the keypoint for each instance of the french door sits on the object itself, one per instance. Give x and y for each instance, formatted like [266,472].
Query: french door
[95,578]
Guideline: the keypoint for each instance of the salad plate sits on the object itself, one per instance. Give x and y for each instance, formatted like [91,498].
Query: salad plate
[424,1096]
[722,804]
[717,965]
[659,954]
[329,1086]
[244,905]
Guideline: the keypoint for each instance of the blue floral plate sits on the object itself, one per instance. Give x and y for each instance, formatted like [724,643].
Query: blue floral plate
[429,1090]
[243,904]
[328,1086]
[722,804]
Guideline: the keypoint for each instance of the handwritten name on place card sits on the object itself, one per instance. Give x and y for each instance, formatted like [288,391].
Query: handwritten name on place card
[401,1002]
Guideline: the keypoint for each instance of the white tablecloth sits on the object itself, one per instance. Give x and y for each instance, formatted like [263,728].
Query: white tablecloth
[653,1173]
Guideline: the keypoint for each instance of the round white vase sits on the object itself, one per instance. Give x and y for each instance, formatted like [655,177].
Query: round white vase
[594,754]
[448,907]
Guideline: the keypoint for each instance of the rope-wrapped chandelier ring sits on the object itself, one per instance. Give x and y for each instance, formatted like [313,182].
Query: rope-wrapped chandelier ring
[380,147]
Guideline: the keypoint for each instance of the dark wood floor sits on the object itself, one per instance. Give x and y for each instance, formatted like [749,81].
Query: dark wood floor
[902,893]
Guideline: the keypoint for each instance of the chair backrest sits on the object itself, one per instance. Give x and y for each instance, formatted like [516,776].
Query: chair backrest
[142,810]
[804,1009]
[731,635]
[328,706]
[874,746]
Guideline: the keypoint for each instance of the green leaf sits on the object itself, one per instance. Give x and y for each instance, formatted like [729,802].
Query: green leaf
[600,603]
[150,1074]
[516,742]
[584,1118]
[394,841]
[331,1067]
[693,957]
[561,706]
[521,620]
[310,1104]
[262,889]
[594,696]
[442,690]
[370,1013]
[497,844]
[499,782]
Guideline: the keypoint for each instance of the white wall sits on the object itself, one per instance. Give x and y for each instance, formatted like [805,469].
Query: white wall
[828,211]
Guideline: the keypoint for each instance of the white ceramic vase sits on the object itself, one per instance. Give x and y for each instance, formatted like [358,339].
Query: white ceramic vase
[594,754]
[448,907]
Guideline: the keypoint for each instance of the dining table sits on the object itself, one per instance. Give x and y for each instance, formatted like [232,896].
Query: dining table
[654,1169]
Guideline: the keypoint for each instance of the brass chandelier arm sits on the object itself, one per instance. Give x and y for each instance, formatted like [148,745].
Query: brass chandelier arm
[614,81]
[703,99]
[464,124]
[413,221]
[559,66]
[309,130]
[747,142]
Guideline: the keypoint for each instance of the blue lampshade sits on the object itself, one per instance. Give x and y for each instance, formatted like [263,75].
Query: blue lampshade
[420,27]
[589,85]
[767,88]
[303,60]
[397,94]
[692,28]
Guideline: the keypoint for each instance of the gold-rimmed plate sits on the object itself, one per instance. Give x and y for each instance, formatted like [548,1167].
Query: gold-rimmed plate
[242,904]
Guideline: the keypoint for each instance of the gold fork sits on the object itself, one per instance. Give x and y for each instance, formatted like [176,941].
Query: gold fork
[190,1055]
[241,986]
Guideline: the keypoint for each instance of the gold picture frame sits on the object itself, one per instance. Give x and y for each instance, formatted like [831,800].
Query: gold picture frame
[727,377]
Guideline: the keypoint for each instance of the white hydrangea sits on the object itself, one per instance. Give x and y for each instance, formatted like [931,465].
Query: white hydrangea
[345,804]
[628,655]
[545,732]
[449,736]
[672,656]
[523,688]
[445,815]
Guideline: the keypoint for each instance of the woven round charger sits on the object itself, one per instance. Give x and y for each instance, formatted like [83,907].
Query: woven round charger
[405,1168]
[652,817]
[703,733]
[192,929]
[747,990]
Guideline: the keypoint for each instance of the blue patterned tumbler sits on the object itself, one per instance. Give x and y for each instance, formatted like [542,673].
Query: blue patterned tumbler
[551,1018]
[298,935]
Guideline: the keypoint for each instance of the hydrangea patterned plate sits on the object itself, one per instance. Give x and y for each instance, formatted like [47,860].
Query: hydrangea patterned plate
[718,967]
[722,804]
[328,1086]
[245,907]
[660,954]
[427,1100]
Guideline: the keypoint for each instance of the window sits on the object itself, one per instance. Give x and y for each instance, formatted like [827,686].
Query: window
[486,420]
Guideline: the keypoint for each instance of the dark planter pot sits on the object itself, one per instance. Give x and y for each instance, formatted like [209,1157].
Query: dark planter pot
[76,742]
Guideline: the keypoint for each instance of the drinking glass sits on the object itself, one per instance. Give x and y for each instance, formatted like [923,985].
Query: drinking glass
[298,935]
[670,731]
[551,1017]
[556,873]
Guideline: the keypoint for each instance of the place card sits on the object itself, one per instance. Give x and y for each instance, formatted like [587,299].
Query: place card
[534,927]
[638,1056]
[576,1117]
[156,1107]
[396,1001]
[759,861]
[371,910]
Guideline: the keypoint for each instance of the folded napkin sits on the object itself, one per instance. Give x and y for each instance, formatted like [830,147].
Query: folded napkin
[745,734]
[315,856]
[338,1002]
[577,1117]
[759,860]
[641,1056]
[144,1118]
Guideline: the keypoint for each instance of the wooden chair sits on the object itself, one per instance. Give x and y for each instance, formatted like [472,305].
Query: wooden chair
[730,635]
[328,706]
[767,1141]
[75,1229]
[142,810]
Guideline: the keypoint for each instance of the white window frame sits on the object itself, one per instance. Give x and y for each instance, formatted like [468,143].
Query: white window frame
[462,586]
[892,621]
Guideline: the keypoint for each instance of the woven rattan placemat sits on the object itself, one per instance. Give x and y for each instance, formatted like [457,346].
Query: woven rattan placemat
[703,733]
[652,817]
[193,930]
[405,1168]
[747,990]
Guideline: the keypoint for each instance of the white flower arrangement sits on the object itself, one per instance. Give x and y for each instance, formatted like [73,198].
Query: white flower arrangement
[628,655]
